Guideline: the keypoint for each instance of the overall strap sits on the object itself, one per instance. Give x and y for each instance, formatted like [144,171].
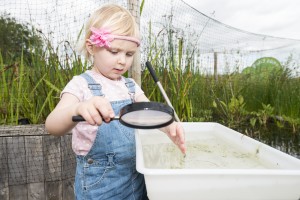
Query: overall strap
[95,87]
[131,88]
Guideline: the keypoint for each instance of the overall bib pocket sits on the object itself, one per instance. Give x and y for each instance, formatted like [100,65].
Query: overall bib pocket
[94,172]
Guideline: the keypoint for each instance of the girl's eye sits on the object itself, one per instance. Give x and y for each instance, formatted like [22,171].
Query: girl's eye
[114,52]
[129,54]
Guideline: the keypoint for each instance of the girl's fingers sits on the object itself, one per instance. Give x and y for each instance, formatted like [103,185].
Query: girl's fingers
[172,129]
[88,117]
[176,134]
[96,110]
[105,111]
[96,117]
[180,133]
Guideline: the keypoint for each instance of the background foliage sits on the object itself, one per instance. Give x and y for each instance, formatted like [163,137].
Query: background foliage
[32,79]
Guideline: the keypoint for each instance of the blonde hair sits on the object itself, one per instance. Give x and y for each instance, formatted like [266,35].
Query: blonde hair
[111,17]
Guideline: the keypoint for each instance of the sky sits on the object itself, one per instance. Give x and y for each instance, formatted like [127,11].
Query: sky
[279,18]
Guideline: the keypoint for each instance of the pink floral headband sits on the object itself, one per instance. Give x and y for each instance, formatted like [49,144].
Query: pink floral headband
[102,38]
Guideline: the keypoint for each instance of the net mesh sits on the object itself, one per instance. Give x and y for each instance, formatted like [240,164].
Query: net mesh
[207,36]
[62,21]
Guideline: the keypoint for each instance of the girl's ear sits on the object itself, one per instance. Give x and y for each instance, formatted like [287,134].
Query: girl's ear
[89,47]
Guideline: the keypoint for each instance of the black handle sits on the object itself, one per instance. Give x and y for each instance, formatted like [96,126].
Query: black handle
[152,72]
[78,118]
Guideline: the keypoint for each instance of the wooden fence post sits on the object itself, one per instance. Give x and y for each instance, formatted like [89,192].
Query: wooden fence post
[135,71]
[216,66]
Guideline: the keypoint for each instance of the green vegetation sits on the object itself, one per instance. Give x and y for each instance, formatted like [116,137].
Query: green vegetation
[261,94]
[18,40]
[32,92]
[32,74]
[236,100]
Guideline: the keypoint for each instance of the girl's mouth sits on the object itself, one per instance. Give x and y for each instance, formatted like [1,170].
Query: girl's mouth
[118,70]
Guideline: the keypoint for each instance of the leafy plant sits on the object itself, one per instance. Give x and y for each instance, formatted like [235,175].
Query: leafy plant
[263,115]
[233,112]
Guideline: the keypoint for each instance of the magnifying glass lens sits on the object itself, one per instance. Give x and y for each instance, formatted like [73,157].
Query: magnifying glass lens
[147,118]
[144,115]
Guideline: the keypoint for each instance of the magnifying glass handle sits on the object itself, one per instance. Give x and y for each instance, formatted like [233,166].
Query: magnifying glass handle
[79,118]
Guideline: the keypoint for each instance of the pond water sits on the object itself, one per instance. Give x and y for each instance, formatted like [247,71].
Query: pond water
[281,139]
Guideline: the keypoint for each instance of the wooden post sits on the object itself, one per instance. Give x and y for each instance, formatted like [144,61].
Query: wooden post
[34,167]
[17,168]
[4,189]
[135,71]
[67,157]
[52,165]
[216,66]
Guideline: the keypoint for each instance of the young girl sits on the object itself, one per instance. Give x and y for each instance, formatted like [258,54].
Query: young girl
[105,151]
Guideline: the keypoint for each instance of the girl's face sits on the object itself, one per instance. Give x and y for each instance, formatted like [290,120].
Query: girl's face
[112,62]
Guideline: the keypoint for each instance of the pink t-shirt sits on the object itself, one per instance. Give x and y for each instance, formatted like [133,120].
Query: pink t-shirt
[84,134]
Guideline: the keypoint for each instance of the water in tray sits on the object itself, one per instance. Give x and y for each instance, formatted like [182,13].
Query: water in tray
[205,151]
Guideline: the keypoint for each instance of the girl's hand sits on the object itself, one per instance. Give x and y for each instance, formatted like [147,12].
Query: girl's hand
[95,110]
[176,134]
[174,130]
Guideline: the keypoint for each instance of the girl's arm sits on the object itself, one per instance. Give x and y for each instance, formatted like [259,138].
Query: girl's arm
[59,121]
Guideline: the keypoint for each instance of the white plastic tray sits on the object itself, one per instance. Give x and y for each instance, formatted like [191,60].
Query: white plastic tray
[220,164]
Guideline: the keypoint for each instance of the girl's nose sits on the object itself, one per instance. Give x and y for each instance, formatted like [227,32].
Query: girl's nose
[122,58]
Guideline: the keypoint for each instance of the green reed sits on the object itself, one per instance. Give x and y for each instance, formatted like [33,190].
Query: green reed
[236,99]
[174,74]
[31,90]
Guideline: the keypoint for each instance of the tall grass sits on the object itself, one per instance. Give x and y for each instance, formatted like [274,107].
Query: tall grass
[31,91]
[237,99]
[174,74]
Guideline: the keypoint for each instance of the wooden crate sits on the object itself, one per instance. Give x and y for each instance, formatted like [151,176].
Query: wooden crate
[35,165]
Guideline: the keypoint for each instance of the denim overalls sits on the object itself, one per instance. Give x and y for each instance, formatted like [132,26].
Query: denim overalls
[108,171]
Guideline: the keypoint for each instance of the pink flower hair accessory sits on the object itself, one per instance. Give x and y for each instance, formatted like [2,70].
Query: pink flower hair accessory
[103,38]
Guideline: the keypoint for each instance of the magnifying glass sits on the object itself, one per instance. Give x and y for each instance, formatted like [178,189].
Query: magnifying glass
[142,115]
